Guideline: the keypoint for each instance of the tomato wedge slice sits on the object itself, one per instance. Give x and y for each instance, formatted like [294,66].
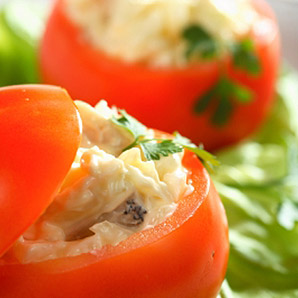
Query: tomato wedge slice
[40,133]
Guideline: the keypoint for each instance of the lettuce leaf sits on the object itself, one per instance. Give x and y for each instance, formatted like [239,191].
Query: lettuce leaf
[21,26]
[258,184]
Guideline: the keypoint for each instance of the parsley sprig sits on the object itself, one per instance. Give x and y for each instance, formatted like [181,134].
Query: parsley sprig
[208,159]
[244,57]
[130,124]
[223,96]
[200,43]
[154,148]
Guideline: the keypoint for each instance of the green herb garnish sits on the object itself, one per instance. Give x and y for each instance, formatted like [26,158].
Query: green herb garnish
[208,159]
[244,57]
[222,96]
[226,92]
[199,43]
[154,148]
[130,124]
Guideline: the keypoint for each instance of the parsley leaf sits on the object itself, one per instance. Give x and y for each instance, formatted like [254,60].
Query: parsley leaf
[244,57]
[208,159]
[222,112]
[226,92]
[153,150]
[226,87]
[199,42]
[203,102]
[130,124]
[179,139]
[222,96]
[242,94]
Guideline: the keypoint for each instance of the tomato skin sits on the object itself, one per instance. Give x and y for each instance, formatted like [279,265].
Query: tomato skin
[162,98]
[40,133]
[185,257]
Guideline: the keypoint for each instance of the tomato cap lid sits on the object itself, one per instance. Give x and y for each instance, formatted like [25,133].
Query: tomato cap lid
[40,133]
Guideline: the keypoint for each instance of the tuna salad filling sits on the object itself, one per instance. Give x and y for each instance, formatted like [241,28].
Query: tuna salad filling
[110,192]
[150,31]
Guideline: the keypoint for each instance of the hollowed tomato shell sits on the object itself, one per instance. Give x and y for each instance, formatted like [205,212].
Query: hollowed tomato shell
[183,257]
[162,97]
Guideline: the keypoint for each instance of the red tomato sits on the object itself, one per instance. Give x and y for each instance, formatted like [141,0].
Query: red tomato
[162,98]
[40,134]
[184,257]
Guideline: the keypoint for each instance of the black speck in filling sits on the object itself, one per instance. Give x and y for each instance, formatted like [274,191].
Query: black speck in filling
[130,213]
[135,211]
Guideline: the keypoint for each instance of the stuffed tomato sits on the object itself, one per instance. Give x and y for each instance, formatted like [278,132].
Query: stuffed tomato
[136,216]
[206,68]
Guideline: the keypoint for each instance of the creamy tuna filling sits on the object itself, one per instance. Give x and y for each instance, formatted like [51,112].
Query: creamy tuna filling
[107,196]
[149,31]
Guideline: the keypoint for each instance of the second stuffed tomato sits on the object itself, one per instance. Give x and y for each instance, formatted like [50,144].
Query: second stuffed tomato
[205,68]
[136,216]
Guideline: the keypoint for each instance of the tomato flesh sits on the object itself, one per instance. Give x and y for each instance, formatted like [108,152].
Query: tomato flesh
[186,256]
[40,133]
[162,98]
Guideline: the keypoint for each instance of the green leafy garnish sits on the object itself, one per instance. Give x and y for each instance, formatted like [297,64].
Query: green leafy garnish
[222,96]
[178,138]
[153,148]
[130,124]
[199,43]
[244,57]
[208,159]
[226,92]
